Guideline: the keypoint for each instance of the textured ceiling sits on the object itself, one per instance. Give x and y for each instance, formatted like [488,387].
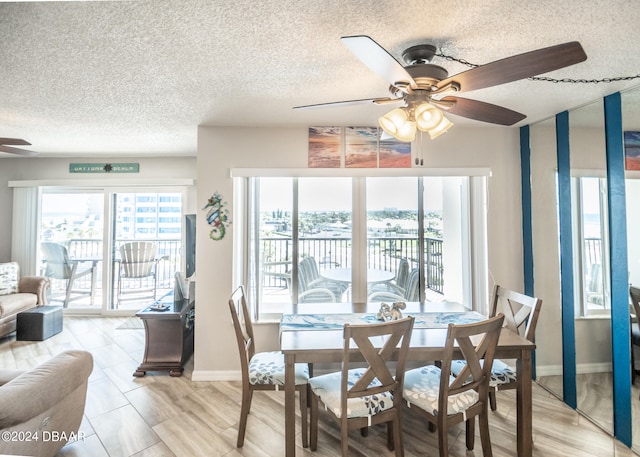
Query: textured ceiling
[137,77]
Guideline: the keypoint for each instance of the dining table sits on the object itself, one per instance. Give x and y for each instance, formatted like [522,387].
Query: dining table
[307,336]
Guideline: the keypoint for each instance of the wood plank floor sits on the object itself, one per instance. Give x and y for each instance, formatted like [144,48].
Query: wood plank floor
[160,416]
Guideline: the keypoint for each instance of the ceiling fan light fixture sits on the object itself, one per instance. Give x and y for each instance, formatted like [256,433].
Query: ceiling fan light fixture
[427,116]
[407,131]
[399,124]
[444,125]
[403,123]
[393,121]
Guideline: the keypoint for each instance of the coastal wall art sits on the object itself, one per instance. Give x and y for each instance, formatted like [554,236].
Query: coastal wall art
[325,147]
[360,147]
[632,150]
[394,154]
[356,147]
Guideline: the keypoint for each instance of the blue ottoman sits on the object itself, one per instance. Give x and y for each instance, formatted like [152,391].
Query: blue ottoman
[39,323]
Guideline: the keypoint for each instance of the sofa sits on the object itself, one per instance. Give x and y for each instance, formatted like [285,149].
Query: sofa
[18,294]
[42,408]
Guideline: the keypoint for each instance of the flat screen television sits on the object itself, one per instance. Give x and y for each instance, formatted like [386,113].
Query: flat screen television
[190,244]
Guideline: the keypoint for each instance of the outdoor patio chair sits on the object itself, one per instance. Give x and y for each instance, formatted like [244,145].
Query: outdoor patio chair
[59,265]
[137,278]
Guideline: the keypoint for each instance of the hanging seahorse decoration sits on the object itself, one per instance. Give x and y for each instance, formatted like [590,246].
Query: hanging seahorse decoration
[217,216]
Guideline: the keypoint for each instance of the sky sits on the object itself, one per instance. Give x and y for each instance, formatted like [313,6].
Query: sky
[321,194]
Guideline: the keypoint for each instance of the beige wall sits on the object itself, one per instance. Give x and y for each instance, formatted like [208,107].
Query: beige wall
[220,149]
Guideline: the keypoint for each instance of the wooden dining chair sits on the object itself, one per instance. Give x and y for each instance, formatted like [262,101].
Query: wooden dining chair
[445,400]
[261,370]
[520,316]
[358,398]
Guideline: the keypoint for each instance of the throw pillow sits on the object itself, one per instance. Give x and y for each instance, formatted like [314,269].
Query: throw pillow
[9,273]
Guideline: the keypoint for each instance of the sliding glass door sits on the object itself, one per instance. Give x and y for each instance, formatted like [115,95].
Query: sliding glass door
[145,246]
[110,250]
[71,246]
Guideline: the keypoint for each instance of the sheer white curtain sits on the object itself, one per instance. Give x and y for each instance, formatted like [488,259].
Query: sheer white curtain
[24,236]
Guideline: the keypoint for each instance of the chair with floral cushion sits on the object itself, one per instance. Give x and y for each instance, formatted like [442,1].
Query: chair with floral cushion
[445,400]
[521,317]
[360,397]
[261,370]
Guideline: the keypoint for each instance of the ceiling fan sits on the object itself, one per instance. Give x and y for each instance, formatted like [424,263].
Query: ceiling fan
[425,89]
[4,142]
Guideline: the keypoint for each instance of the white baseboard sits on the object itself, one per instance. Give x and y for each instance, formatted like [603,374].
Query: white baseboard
[216,375]
[594,368]
[556,370]
[548,370]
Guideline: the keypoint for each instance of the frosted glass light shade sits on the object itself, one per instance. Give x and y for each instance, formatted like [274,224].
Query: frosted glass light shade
[393,120]
[397,124]
[444,125]
[427,116]
[407,131]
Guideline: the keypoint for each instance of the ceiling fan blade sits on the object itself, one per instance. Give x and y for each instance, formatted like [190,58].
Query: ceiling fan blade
[517,67]
[14,141]
[363,101]
[379,60]
[482,111]
[18,151]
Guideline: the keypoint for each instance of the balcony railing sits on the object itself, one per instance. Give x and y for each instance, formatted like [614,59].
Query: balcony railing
[93,248]
[383,253]
[593,250]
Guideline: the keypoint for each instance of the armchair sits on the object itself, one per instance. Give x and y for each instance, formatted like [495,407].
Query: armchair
[48,400]
[18,294]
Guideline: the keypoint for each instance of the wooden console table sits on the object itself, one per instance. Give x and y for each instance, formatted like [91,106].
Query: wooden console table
[168,336]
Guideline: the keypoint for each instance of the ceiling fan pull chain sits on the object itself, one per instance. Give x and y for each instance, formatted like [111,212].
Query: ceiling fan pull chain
[455,59]
[419,154]
[548,79]
[584,81]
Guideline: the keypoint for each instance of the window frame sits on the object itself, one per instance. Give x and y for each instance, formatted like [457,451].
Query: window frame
[27,209]
[582,309]
[475,291]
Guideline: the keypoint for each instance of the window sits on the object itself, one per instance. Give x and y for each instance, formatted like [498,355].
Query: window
[341,239]
[85,221]
[591,274]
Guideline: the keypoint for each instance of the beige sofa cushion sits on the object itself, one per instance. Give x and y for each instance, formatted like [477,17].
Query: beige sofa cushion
[16,303]
[46,399]
[9,274]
